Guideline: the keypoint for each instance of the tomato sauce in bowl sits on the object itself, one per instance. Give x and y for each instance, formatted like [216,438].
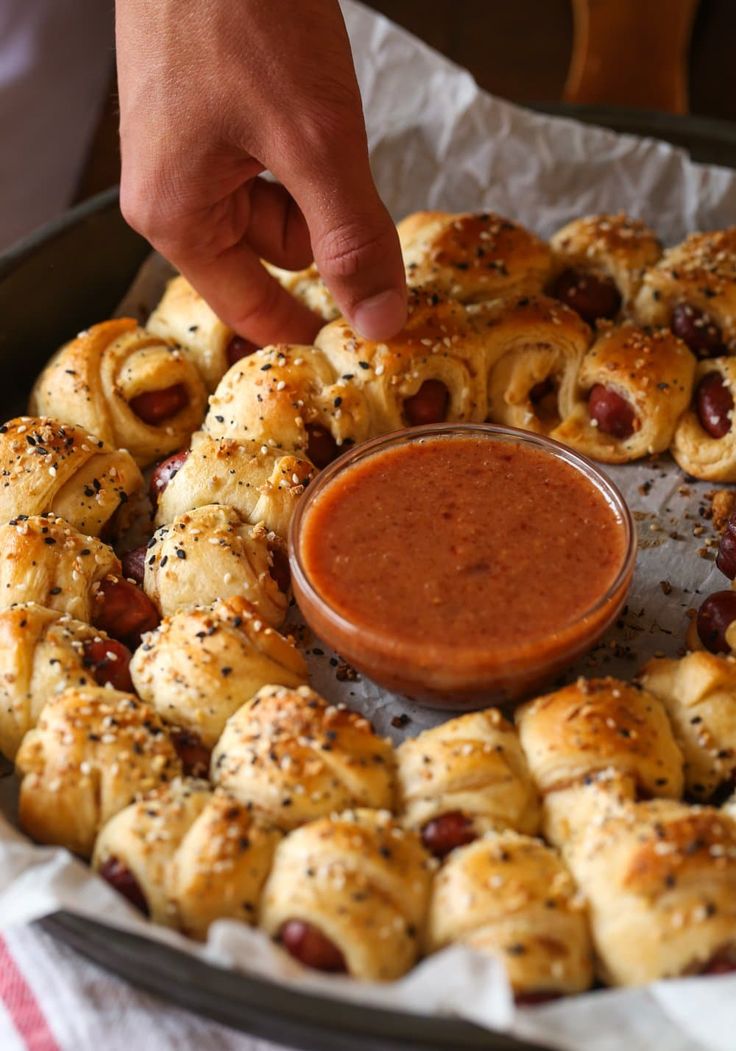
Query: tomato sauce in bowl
[461,564]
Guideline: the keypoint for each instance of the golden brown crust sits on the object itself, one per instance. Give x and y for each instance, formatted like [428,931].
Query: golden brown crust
[308,287]
[697,452]
[699,272]
[614,246]
[91,753]
[46,465]
[512,896]
[699,693]
[363,881]
[652,371]
[295,757]
[440,342]
[472,764]
[93,381]
[197,855]
[200,665]
[184,317]
[211,553]
[594,725]
[529,341]
[45,560]
[473,257]
[274,395]
[41,654]
[660,879]
[262,483]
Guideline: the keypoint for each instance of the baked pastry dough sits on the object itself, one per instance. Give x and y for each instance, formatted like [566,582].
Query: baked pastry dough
[362,882]
[594,725]
[512,896]
[473,257]
[45,560]
[132,389]
[42,653]
[533,346]
[200,665]
[189,855]
[433,370]
[211,553]
[600,261]
[696,450]
[660,880]
[699,693]
[693,289]
[295,757]
[308,287]
[188,320]
[636,386]
[263,484]
[471,768]
[289,397]
[50,466]
[91,753]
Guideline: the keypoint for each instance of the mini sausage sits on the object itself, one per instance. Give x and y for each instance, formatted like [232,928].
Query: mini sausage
[123,611]
[239,348]
[194,755]
[530,999]
[122,879]
[109,662]
[155,406]
[715,615]
[279,568]
[428,405]
[726,557]
[311,947]
[612,413]
[322,448]
[722,963]
[134,564]
[445,833]
[714,405]
[163,472]
[590,295]
[698,330]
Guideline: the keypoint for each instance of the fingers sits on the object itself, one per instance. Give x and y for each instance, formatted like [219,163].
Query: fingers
[278,231]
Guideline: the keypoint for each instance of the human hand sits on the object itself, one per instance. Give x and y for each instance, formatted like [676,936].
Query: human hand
[213,94]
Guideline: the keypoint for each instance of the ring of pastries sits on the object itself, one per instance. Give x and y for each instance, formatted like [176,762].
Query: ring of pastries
[209,781]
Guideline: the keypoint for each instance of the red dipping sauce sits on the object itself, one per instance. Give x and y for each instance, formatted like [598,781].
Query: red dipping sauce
[461,564]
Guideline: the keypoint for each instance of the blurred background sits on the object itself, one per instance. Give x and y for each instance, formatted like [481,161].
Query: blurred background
[662,56]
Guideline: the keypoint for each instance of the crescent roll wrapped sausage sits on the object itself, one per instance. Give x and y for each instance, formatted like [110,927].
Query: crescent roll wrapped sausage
[308,287]
[433,370]
[189,321]
[125,385]
[42,653]
[693,290]
[596,725]
[636,386]
[699,693]
[211,553]
[534,346]
[289,397]
[704,443]
[44,560]
[600,262]
[660,881]
[91,753]
[295,757]
[349,893]
[473,257]
[262,483]
[46,465]
[202,664]
[512,896]
[464,777]
[187,856]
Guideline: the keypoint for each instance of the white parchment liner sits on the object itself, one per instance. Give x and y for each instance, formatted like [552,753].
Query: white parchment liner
[437,141]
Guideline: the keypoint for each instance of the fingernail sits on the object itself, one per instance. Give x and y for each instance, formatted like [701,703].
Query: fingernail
[381,316]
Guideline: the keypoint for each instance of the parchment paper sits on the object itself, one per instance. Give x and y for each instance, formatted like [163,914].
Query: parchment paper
[437,141]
